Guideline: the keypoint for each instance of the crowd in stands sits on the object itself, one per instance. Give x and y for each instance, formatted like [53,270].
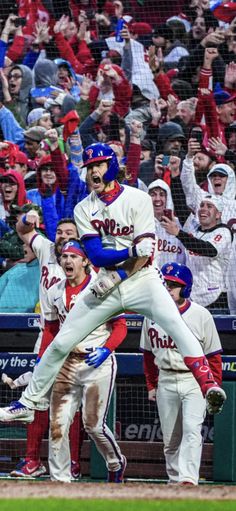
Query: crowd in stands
[161,92]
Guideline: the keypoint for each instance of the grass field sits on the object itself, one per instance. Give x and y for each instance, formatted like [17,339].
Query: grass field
[114,505]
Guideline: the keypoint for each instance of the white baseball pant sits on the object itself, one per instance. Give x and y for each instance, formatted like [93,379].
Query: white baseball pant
[182,409]
[143,293]
[77,384]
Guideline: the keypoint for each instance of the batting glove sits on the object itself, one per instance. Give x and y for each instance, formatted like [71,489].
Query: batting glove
[105,282]
[145,248]
[97,357]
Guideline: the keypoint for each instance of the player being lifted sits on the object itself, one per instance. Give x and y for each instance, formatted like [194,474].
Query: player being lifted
[117,228]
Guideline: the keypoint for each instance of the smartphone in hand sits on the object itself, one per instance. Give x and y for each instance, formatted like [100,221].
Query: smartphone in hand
[168,213]
[165,160]
[197,135]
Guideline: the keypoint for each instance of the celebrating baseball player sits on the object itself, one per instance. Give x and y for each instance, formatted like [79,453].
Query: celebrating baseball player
[77,383]
[48,254]
[181,405]
[116,225]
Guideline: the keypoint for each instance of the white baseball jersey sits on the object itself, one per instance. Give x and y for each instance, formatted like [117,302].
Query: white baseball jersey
[169,248]
[210,272]
[57,309]
[167,356]
[121,222]
[50,270]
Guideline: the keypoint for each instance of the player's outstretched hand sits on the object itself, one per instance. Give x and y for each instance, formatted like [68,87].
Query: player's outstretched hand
[97,357]
[145,248]
[105,282]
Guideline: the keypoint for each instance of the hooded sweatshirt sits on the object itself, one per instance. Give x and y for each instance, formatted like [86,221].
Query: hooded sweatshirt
[20,104]
[21,192]
[169,247]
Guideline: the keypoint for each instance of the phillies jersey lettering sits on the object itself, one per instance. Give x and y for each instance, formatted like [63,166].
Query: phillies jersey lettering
[159,341]
[165,246]
[200,322]
[119,223]
[51,271]
[169,247]
[45,278]
[112,227]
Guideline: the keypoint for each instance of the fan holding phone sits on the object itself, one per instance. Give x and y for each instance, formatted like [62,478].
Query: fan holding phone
[169,247]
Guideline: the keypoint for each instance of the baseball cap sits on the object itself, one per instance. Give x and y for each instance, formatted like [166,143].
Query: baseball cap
[222,96]
[147,145]
[215,200]
[57,101]
[21,158]
[140,28]
[37,133]
[219,169]
[45,160]
[35,115]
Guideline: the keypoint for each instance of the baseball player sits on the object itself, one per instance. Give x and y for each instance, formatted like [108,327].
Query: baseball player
[117,228]
[77,383]
[181,405]
[48,254]
[168,246]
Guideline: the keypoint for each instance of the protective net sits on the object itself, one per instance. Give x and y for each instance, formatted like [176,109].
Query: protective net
[157,83]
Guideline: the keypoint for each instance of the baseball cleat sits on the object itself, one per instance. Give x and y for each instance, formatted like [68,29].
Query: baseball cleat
[75,470]
[29,468]
[215,398]
[16,411]
[118,475]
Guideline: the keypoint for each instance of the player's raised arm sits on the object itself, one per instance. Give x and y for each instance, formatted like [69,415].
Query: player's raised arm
[26,226]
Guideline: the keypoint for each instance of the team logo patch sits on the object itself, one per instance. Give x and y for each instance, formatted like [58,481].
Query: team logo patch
[68,245]
[169,268]
[89,152]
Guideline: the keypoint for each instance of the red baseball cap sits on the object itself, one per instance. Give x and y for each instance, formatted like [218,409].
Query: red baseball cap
[21,158]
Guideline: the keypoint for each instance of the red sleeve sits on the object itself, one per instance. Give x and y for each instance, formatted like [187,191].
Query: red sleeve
[60,168]
[215,363]
[205,79]
[150,370]
[118,334]
[51,328]
[213,128]
[133,162]
[67,53]
[93,95]
[163,83]
[122,96]
[15,51]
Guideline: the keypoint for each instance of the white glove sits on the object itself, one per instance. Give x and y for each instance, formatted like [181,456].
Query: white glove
[145,248]
[105,282]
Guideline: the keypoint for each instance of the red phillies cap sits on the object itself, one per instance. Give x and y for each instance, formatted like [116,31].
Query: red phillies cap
[21,158]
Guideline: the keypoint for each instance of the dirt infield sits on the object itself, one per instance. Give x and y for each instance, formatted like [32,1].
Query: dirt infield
[130,490]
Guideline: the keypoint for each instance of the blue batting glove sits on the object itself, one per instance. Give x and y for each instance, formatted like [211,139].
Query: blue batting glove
[97,357]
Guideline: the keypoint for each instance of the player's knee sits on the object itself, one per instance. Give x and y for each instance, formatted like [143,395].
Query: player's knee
[92,429]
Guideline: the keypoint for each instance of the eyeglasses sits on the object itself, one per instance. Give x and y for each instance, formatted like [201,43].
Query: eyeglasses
[15,76]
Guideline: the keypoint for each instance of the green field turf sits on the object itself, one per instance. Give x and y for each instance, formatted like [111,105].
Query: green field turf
[115,505]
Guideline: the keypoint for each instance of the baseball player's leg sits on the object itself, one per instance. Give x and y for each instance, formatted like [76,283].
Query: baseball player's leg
[97,394]
[170,415]
[76,437]
[145,293]
[193,411]
[87,313]
[65,400]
